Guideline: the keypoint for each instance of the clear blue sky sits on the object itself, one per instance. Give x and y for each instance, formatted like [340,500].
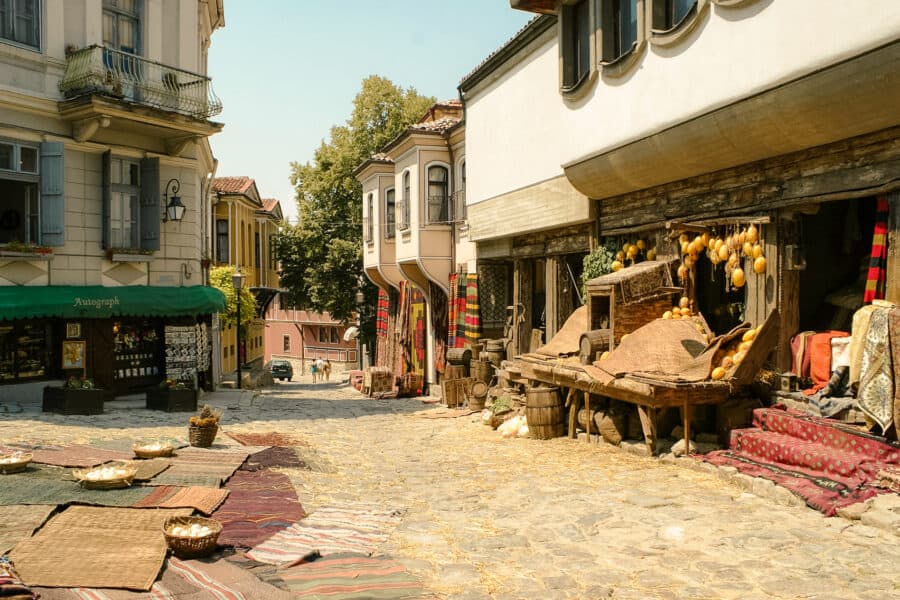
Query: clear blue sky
[287,70]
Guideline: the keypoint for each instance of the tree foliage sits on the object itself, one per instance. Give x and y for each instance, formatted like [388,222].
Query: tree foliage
[220,278]
[321,256]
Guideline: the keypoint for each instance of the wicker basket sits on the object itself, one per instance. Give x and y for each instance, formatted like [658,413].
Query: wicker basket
[17,466]
[192,547]
[106,484]
[141,451]
[202,437]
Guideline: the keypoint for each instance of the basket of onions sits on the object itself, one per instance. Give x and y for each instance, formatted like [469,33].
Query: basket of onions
[152,449]
[14,463]
[110,476]
[191,537]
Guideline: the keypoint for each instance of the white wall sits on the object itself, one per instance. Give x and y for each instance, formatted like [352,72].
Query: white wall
[519,129]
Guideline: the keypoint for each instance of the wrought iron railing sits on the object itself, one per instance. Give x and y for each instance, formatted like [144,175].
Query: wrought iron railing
[101,70]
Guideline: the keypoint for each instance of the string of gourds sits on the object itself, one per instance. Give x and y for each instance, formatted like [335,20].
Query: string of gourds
[740,243]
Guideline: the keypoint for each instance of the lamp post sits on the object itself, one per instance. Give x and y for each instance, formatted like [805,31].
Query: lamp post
[237,280]
[360,300]
[174,208]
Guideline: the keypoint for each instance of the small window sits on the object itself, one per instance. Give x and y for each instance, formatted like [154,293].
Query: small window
[334,336]
[20,22]
[460,205]
[323,335]
[124,207]
[390,214]
[668,14]
[286,343]
[577,29]
[438,195]
[257,249]
[619,26]
[222,240]
[273,263]
[28,160]
[370,217]
[404,213]
[122,25]
[19,199]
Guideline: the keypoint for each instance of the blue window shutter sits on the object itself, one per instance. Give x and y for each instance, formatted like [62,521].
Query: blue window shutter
[53,205]
[151,214]
[106,194]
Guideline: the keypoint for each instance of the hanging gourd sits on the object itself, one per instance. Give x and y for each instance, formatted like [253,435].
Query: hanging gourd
[757,250]
[759,265]
[641,244]
[684,247]
[724,252]
[682,272]
[747,249]
[752,234]
[738,279]
[616,265]
[651,253]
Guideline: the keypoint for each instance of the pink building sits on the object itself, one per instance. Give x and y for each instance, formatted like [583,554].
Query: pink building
[303,336]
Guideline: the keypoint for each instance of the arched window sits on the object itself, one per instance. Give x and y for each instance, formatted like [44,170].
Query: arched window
[438,195]
[370,220]
[619,26]
[577,29]
[390,213]
[404,214]
[668,14]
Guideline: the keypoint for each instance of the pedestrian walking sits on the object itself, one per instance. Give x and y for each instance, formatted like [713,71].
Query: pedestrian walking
[313,370]
[320,368]
[327,370]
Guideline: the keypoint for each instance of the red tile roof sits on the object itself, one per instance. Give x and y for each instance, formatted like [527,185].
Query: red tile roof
[269,204]
[233,185]
[439,126]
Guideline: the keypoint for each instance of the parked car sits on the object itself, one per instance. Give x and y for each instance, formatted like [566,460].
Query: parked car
[281,369]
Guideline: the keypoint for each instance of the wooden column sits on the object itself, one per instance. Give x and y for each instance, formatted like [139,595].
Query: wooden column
[788,294]
[892,290]
[551,306]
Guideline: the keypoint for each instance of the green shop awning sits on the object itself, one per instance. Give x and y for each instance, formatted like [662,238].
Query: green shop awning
[98,302]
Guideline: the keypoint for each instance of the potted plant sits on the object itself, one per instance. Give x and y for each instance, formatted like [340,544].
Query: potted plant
[172,396]
[204,426]
[77,396]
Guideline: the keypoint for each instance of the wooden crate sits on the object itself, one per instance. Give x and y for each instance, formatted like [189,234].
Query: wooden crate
[74,401]
[172,400]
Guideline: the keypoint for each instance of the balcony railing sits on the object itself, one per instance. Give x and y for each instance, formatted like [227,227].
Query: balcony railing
[100,70]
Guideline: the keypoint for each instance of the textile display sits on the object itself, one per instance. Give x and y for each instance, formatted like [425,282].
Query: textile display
[349,576]
[439,310]
[889,479]
[456,318]
[260,504]
[388,352]
[204,499]
[11,586]
[36,487]
[404,327]
[828,464]
[77,455]
[18,522]
[800,360]
[185,580]
[473,310]
[894,329]
[358,527]
[875,280]
[86,546]
[818,355]
[277,457]
[876,377]
[860,328]
[381,313]
[207,467]
[150,468]
[418,331]
[268,438]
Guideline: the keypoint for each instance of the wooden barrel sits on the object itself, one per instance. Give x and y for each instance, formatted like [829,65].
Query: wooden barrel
[477,349]
[478,395]
[494,345]
[482,370]
[454,372]
[544,412]
[592,342]
[583,422]
[459,356]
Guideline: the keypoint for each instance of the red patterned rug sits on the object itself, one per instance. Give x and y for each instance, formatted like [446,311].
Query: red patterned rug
[259,505]
[827,463]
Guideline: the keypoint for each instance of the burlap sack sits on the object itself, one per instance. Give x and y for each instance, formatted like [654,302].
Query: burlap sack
[612,425]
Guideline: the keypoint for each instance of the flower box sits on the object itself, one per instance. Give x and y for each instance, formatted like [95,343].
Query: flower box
[42,254]
[74,401]
[171,400]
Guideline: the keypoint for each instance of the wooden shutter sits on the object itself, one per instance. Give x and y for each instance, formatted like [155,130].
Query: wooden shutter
[150,215]
[53,208]
[106,194]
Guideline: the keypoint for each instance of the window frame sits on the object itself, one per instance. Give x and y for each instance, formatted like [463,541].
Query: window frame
[406,179]
[616,66]
[569,49]
[119,13]
[448,190]
[335,338]
[32,207]
[220,247]
[119,193]
[286,343]
[668,33]
[368,219]
[323,335]
[257,249]
[461,211]
[390,225]
[38,25]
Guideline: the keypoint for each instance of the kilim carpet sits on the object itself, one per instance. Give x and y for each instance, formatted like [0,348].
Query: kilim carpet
[350,577]
[18,522]
[184,580]
[260,504]
[77,455]
[204,499]
[277,456]
[357,528]
[203,466]
[268,438]
[827,463]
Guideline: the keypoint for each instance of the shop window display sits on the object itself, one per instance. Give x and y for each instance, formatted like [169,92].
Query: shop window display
[24,351]
[136,351]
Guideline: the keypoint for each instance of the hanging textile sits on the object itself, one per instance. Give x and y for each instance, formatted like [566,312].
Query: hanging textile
[381,314]
[875,280]
[461,311]
[405,337]
[452,310]
[418,330]
[876,379]
[439,314]
[473,315]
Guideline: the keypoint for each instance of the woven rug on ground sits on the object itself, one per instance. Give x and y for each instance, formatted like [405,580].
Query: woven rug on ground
[267,438]
[826,463]
[77,455]
[126,444]
[358,528]
[184,580]
[18,522]
[148,469]
[204,499]
[279,457]
[32,487]
[349,576]
[86,546]
[260,504]
[204,467]
[11,586]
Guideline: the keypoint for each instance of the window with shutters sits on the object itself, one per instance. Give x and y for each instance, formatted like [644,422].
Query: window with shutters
[19,199]
[20,22]
[221,240]
[438,195]
[124,213]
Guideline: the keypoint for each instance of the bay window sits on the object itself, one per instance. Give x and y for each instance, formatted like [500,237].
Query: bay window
[438,195]
[390,208]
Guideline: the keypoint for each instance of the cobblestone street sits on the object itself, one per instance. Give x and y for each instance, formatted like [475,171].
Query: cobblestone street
[488,517]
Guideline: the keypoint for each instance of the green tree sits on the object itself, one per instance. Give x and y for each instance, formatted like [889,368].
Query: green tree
[220,278]
[321,256]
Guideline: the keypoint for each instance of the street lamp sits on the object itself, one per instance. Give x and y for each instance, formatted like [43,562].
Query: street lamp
[174,208]
[360,300]
[237,280]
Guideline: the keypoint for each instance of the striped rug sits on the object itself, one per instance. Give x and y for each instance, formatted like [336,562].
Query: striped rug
[350,577]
